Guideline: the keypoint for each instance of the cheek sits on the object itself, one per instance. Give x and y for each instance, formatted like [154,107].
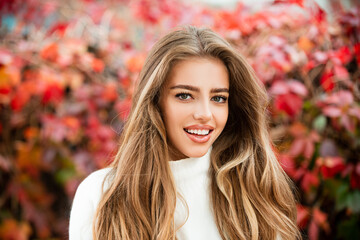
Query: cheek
[221,116]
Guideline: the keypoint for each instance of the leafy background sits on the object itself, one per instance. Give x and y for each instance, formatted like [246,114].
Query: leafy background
[67,74]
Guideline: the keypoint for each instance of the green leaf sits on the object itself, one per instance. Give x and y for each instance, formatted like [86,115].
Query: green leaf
[354,201]
[319,123]
[349,229]
[307,105]
[342,197]
[64,175]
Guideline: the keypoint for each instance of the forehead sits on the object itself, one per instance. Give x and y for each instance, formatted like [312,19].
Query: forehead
[199,71]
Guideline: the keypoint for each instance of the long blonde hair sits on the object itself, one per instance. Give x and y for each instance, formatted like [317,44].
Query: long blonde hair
[250,193]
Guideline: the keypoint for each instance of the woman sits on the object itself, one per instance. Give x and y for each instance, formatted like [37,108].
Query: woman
[195,159]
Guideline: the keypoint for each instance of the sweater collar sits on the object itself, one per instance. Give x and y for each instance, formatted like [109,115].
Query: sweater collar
[191,166]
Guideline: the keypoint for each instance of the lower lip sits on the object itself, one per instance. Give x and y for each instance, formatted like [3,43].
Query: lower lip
[199,138]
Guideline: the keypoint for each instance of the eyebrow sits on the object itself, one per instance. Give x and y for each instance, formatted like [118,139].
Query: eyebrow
[196,89]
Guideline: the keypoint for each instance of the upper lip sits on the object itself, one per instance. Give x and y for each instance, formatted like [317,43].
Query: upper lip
[202,127]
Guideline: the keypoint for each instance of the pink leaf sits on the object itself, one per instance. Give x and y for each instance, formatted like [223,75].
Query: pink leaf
[279,87]
[297,147]
[332,111]
[297,87]
[309,149]
[309,179]
[355,111]
[347,122]
[341,72]
[313,230]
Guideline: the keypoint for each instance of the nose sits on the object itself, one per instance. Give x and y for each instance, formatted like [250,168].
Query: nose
[203,111]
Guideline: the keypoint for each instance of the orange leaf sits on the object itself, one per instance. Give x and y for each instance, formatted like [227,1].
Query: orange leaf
[110,92]
[135,63]
[305,44]
[11,229]
[29,158]
[298,129]
[98,65]
[50,52]
[31,133]
[71,122]
[19,100]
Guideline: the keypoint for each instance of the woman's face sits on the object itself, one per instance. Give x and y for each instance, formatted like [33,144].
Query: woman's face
[194,105]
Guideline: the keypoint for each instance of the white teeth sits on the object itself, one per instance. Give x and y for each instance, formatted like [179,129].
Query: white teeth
[198,131]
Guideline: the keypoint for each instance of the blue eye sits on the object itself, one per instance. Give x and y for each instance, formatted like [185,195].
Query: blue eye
[183,96]
[219,99]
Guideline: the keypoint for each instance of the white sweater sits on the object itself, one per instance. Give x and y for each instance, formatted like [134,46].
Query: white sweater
[192,182]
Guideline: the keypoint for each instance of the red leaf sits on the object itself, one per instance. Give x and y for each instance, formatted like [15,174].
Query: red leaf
[330,166]
[309,179]
[289,103]
[19,100]
[357,53]
[59,28]
[302,216]
[288,164]
[298,2]
[355,177]
[318,14]
[327,81]
[5,90]
[53,93]
[320,219]
[344,55]
[123,108]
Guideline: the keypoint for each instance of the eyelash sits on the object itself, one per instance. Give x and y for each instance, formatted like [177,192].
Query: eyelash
[179,95]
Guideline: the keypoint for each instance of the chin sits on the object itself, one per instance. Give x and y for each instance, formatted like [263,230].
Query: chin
[197,154]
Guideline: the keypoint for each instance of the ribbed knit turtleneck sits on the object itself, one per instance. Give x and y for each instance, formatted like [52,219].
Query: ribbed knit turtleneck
[192,180]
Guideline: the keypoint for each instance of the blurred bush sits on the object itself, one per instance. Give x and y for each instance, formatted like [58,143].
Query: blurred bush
[68,70]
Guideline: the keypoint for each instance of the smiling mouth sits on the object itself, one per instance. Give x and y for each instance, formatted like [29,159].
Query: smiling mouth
[198,132]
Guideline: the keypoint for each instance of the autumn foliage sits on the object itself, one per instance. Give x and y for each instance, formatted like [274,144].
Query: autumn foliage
[67,74]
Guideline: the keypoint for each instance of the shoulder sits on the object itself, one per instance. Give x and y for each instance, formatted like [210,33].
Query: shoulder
[95,180]
[86,200]
[92,187]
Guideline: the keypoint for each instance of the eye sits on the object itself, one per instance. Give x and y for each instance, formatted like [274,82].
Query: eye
[183,96]
[219,99]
